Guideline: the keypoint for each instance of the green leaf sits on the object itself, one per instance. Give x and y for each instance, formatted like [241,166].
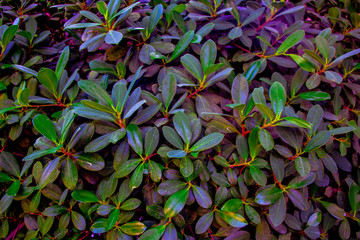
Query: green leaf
[207,142]
[277,97]
[172,137]
[315,96]
[193,66]
[49,170]
[302,166]
[303,63]
[127,167]
[182,126]
[63,60]
[8,35]
[334,210]
[133,228]
[318,141]
[14,188]
[252,214]
[300,182]
[354,197]
[323,46]
[258,175]
[137,177]
[176,203]
[291,41]
[208,54]
[135,138]
[113,218]
[69,174]
[130,204]
[96,91]
[266,139]
[233,219]
[153,233]
[254,144]
[298,122]
[268,195]
[232,205]
[154,19]
[84,196]
[90,161]
[54,210]
[48,78]
[168,89]
[4,177]
[151,140]
[45,126]
[113,37]
[182,45]
[252,71]
[186,167]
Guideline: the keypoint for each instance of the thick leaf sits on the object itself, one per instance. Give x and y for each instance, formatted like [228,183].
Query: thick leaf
[113,37]
[182,126]
[127,167]
[78,220]
[182,45]
[172,137]
[193,66]
[302,166]
[154,18]
[298,122]
[314,96]
[49,170]
[133,228]
[268,195]
[233,219]
[113,218]
[208,54]
[90,161]
[334,210]
[258,176]
[45,126]
[48,78]
[207,142]
[176,203]
[84,196]
[318,140]
[186,167]
[96,91]
[291,41]
[63,59]
[204,223]
[69,174]
[168,88]
[277,211]
[266,139]
[202,197]
[277,97]
[303,63]
[135,138]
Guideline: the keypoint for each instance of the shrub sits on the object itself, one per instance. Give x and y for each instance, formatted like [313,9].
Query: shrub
[179,119]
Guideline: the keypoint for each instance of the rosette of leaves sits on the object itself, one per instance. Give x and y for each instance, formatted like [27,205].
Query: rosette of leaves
[165,98]
[115,108]
[184,137]
[205,71]
[99,31]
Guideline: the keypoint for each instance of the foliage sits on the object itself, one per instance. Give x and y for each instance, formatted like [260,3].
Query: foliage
[192,119]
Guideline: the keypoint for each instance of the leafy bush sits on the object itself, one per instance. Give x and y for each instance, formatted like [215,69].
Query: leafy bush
[180,119]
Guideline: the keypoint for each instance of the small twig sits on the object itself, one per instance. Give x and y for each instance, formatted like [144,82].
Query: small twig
[17,229]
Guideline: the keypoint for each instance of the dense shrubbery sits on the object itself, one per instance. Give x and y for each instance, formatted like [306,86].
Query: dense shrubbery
[179,119]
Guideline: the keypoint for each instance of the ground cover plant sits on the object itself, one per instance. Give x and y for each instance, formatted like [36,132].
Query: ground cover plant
[179,119]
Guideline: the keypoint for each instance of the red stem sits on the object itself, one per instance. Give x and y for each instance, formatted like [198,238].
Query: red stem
[17,229]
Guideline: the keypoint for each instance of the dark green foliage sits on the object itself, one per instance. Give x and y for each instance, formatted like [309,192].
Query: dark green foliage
[201,119]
